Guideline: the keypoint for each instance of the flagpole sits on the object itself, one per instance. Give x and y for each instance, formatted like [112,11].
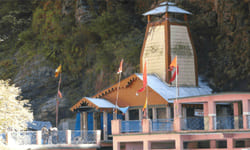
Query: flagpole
[117,95]
[57,101]
[147,92]
[177,78]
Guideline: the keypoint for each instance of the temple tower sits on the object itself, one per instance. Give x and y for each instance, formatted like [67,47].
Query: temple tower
[167,37]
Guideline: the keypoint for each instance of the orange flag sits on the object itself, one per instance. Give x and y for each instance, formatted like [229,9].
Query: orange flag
[144,78]
[171,67]
[58,71]
[120,68]
[173,63]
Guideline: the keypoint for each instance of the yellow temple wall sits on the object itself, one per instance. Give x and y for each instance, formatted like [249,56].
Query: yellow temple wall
[180,42]
[154,51]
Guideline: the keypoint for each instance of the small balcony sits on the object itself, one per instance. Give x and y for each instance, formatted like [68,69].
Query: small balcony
[192,123]
[162,125]
[131,126]
[228,122]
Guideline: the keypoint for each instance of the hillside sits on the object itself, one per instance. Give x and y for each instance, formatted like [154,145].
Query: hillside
[89,38]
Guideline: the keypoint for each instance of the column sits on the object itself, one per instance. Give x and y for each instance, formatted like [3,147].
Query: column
[212,115]
[140,114]
[179,143]
[146,126]
[154,113]
[38,137]
[146,145]
[116,145]
[94,121]
[205,115]
[127,115]
[105,126]
[68,136]
[245,105]
[236,115]
[177,116]
[116,126]
[98,137]
[168,112]
[184,118]
[85,121]
[230,144]
[213,144]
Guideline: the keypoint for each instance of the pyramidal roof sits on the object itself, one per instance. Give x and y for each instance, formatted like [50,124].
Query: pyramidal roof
[166,7]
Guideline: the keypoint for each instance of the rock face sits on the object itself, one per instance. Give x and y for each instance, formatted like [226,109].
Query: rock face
[40,86]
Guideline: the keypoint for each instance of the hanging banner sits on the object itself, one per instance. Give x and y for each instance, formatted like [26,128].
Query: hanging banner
[198,112]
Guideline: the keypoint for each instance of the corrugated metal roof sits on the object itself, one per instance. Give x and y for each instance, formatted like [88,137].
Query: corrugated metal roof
[163,9]
[103,103]
[37,125]
[165,3]
[169,92]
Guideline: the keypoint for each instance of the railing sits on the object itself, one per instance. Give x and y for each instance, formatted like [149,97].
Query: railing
[131,126]
[192,123]
[83,137]
[162,125]
[22,138]
[55,137]
[248,121]
[228,122]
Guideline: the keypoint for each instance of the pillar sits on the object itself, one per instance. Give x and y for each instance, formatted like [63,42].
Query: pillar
[116,145]
[146,145]
[68,136]
[230,144]
[98,137]
[212,115]
[205,115]
[38,137]
[154,113]
[85,121]
[168,112]
[179,143]
[140,114]
[146,126]
[213,144]
[177,116]
[127,115]
[105,126]
[185,17]
[246,113]
[116,126]
[149,18]
[184,118]
[236,115]
[94,121]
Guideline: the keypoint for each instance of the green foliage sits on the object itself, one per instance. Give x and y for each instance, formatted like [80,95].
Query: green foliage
[223,47]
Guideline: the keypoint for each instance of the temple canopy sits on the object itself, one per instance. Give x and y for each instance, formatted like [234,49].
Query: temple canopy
[163,8]
[102,104]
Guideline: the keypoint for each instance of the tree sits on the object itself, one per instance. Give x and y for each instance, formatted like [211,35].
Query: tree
[14,112]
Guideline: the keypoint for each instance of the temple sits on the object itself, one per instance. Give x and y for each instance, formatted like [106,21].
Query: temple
[180,114]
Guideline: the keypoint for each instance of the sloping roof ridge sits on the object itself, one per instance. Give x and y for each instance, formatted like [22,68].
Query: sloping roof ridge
[113,87]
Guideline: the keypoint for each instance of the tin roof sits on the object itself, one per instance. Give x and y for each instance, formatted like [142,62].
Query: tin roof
[163,8]
[169,92]
[103,104]
[37,125]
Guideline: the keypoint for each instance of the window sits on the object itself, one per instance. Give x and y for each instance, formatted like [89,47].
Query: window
[134,114]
